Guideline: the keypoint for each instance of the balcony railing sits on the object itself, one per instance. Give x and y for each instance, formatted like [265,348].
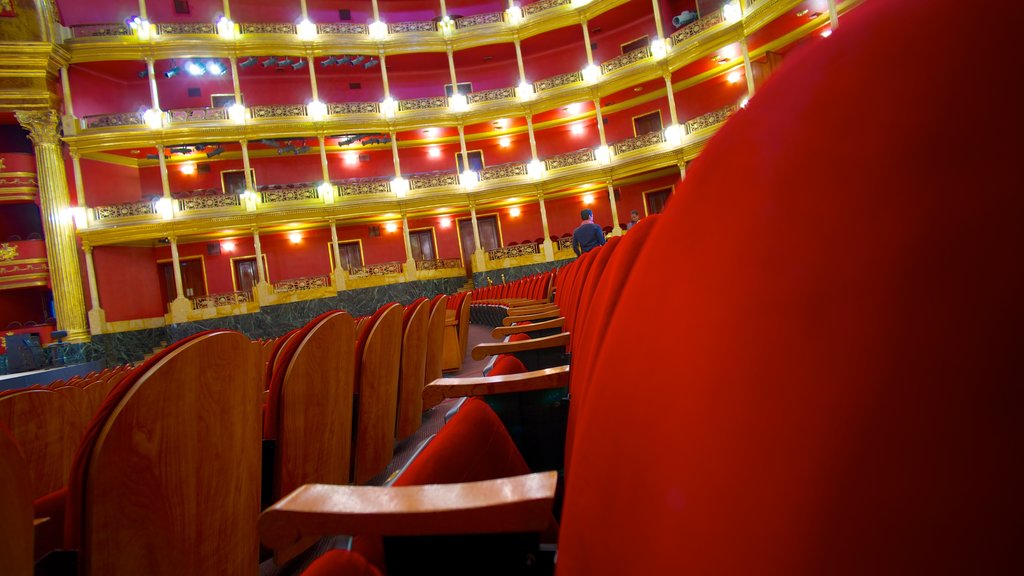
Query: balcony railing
[101,30]
[537,7]
[564,243]
[697,27]
[225,299]
[205,202]
[125,210]
[705,121]
[342,28]
[491,95]
[513,251]
[558,81]
[439,264]
[112,120]
[375,270]
[364,186]
[278,111]
[182,28]
[302,284]
[500,171]
[414,26]
[339,108]
[429,103]
[570,159]
[479,19]
[185,115]
[433,180]
[267,28]
[631,57]
[639,142]
[288,194]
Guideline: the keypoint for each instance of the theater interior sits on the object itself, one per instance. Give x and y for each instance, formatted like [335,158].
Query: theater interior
[291,287]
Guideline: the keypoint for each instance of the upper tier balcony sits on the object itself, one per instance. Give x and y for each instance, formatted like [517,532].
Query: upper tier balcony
[23,264]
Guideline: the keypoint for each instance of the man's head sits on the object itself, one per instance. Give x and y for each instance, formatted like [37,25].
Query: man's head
[634,216]
[587,214]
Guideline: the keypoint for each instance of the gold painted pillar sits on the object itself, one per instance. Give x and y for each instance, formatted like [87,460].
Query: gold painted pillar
[97,317]
[179,291]
[833,14]
[61,244]
[748,70]
[410,263]
[339,272]
[479,261]
[324,167]
[264,292]
[549,250]
[670,92]
[615,213]
[76,168]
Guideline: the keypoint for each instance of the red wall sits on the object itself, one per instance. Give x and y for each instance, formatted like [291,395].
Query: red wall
[388,247]
[173,92]
[19,219]
[553,53]
[111,183]
[709,96]
[128,282]
[22,305]
[93,94]
[447,238]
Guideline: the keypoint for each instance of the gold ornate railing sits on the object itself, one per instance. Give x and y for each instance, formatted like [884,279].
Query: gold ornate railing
[639,142]
[186,28]
[414,26]
[210,201]
[180,115]
[570,159]
[337,108]
[564,243]
[513,251]
[626,59]
[288,194]
[300,284]
[478,19]
[342,28]
[710,119]
[98,30]
[124,210]
[362,186]
[697,27]
[500,171]
[278,111]
[491,95]
[225,299]
[536,7]
[558,81]
[112,120]
[439,264]
[375,270]
[267,28]
[433,180]
[429,103]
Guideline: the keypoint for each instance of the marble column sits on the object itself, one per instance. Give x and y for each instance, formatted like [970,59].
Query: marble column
[58,225]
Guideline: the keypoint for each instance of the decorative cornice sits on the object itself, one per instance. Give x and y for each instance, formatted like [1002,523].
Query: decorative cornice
[41,125]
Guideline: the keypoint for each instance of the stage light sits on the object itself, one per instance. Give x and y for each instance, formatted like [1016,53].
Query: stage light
[143,73]
[299,65]
[287,61]
[301,150]
[181,150]
[345,60]
[288,148]
[268,142]
[215,152]
[306,30]
[329,61]
[216,68]
[358,60]
[269,62]
[188,168]
[371,63]
[194,69]
[172,72]
[250,61]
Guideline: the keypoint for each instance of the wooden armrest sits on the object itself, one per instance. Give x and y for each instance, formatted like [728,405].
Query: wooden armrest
[546,379]
[509,320]
[532,309]
[516,504]
[502,331]
[481,351]
[526,303]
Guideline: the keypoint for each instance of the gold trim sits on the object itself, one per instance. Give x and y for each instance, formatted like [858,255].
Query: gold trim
[660,120]
[330,251]
[41,282]
[671,192]
[23,261]
[17,174]
[202,260]
[252,171]
[44,274]
[234,281]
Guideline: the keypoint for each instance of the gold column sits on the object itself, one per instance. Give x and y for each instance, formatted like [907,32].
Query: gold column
[549,249]
[476,229]
[55,201]
[312,74]
[323,160]
[533,139]
[394,153]
[405,236]
[234,72]
[227,10]
[615,213]
[600,121]
[657,19]
[670,92]
[165,183]
[747,69]
[519,58]
[462,143]
[833,14]
[76,168]
[153,94]
[586,41]
[451,68]
[249,184]
[176,265]
[142,9]
[90,272]
[384,73]
[334,244]
[260,272]
[302,8]
[65,83]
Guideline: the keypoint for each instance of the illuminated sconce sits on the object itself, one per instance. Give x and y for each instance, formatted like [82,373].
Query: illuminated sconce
[400,186]
[576,129]
[391,227]
[591,73]
[602,154]
[326,192]
[578,3]
[188,168]
[514,14]
[143,29]
[316,110]
[236,113]
[504,142]
[225,28]
[469,179]
[227,246]
[674,135]
[378,30]
[731,12]
[434,152]
[445,222]
[514,212]
[659,48]
[733,77]
[535,169]
[446,26]
[525,91]
[249,199]
[458,103]
[165,208]
[295,237]
[826,33]
[574,108]
[744,102]
[388,107]
[588,199]
[306,30]
[351,158]
[153,118]
[78,216]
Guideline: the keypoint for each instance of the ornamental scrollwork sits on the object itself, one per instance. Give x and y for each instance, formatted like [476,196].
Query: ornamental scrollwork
[289,194]
[278,111]
[491,95]
[570,159]
[337,108]
[364,186]
[478,19]
[8,252]
[375,270]
[211,201]
[225,299]
[626,59]
[342,28]
[543,5]
[268,28]
[41,125]
[186,28]
[513,251]
[429,103]
[180,115]
[95,30]
[124,210]
[300,284]
[113,120]
[639,142]
[433,180]
[507,170]
[564,243]
[439,264]
[697,27]
[558,81]
[414,26]
[710,119]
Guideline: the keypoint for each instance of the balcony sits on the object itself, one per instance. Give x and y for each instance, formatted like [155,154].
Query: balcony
[23,264]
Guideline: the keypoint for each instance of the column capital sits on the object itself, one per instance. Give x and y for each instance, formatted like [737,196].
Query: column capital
[86,247]
[41,125]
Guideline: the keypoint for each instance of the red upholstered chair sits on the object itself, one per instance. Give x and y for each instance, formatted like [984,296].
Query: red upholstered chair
[840,392]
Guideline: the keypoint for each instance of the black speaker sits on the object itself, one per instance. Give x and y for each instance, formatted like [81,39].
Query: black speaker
[374,231]
[344,14]
[213,248]
[194,92]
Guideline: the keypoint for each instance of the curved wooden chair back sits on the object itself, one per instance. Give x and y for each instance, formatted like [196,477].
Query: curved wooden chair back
[77,415]
[463,315]
[38,422]
[414,366]
[171,483]
[435,340]
[314,426]
[16,538]
[378,394]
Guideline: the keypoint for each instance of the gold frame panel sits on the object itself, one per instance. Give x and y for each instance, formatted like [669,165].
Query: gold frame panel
[251,170]
[433,236]
[671,191]
[330,250]
[234,281]
[632,120]
[202,261]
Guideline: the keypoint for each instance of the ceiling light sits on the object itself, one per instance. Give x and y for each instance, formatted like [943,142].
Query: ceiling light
[734,77]
[269,62]
[299,65]
[504,142]
[194,69]
[445,222]
[172,72]
[378,30]
[514,212]
[216,68]
[227,246]
[316,110]
[188,168]
[391,227]
[434,152]
[576,129]
[225,28]
[306,30]
[215,152]
[295,237]
[588,199]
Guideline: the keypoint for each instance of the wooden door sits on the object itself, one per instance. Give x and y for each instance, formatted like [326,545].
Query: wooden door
[246,274]
[350,254]
[193,281]
[489,237]
[422,243]
[647,123]
[656,200]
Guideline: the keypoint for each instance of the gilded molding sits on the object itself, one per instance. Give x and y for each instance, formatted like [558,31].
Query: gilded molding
[491,95]
[558,81]
[100,30]
[342,28]
[499,171]
[225,299]
[439,264]
[267,28]
[364,186]
[542,5]
[375,270]
[124,210]
[112,120]
[639,142]
[570,159]
[186,28]
[301,284]
[631,57]
[339,108]
[413,26]
[184,115]
[480,19]
[428,103]
[42,126]
[278,111]
[208,201]
[433,180]
[289,194]
[513,251]
[711,119]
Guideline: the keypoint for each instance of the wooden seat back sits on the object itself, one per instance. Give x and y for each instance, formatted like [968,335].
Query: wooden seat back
[416,327]
[167,479]
[379,357]
[38,422]
[435,339]
[16,506]
[462,316]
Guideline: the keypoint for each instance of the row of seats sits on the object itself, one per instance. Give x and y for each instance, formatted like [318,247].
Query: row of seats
[491,303]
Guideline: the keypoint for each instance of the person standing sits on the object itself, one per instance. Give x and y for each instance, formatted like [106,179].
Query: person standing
[634,217]
[587,235]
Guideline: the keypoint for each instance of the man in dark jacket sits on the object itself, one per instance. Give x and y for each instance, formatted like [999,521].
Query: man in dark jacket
[588,235]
